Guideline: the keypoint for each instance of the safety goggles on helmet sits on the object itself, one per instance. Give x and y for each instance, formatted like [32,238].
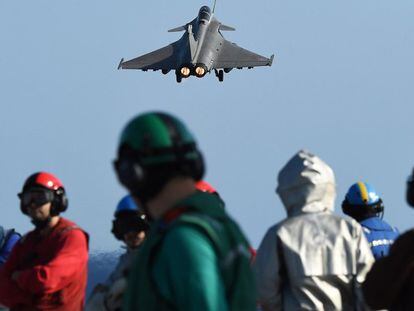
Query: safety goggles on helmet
[125,227]
[129,223]
[37,197]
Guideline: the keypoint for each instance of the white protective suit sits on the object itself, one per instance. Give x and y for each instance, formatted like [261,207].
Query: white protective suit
[312,260]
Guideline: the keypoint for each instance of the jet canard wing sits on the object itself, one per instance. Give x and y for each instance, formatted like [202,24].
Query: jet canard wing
[165,58]
[233,56]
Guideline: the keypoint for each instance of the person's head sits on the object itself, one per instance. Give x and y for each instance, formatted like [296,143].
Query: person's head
[155,148]
[362,201]
[130,224]
[410,190]
[43,197]
[306,184]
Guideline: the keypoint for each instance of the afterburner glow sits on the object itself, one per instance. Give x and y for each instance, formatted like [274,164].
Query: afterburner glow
[185,71]
[200,71]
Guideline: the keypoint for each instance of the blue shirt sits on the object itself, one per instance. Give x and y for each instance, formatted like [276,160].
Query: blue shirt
[380,235]
[10,239]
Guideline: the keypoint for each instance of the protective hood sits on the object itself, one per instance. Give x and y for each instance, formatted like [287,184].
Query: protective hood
[306,184]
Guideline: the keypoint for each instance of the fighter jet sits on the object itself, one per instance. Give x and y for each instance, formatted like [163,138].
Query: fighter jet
[200,50]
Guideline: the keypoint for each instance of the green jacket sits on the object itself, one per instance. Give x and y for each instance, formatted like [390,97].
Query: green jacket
[197,261]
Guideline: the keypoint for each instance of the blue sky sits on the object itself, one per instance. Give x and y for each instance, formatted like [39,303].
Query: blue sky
[340,86]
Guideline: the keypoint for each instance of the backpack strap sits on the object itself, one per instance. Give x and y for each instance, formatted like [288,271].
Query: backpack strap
[228,255]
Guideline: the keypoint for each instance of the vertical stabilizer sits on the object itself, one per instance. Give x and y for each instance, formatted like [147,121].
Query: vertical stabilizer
[214,6]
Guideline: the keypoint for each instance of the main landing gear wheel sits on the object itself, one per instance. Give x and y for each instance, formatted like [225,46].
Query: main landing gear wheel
[220,75]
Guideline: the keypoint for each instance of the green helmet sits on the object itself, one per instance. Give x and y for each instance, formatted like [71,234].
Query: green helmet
[155,147]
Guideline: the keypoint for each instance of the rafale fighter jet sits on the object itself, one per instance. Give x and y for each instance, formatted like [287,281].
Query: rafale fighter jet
[201,49]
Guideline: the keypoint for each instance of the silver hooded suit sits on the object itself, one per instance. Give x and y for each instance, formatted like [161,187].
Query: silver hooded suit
[312,260]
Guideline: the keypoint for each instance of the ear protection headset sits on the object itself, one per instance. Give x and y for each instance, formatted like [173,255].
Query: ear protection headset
[135,175]
[152,168]
[60,201]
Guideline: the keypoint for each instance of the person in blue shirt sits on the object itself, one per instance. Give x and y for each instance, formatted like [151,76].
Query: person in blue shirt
[364,205]
[8,238]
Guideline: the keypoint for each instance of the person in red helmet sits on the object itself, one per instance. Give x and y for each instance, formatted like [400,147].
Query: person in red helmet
[47,269]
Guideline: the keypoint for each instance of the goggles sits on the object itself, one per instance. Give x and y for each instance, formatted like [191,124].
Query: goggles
[36,197]
[125,225]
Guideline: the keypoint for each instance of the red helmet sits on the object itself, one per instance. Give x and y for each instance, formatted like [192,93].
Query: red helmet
[43,179]
[46,181]
[204,186]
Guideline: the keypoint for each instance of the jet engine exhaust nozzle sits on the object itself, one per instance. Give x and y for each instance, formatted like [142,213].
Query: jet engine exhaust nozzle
[185,71]
[200,70]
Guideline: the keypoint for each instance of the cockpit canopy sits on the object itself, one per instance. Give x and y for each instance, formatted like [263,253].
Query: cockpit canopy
[204,15]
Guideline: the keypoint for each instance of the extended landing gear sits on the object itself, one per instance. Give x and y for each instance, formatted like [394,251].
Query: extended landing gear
[219,74]
[178,77]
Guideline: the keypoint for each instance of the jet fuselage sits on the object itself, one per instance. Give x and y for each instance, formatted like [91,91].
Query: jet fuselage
[204,42]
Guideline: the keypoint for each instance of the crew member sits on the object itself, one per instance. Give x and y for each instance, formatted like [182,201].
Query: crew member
[313,259]
[47,269]
[195,257]
[364,205]
[131,227]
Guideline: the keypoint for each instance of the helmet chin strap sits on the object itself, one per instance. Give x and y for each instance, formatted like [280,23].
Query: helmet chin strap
[41,224]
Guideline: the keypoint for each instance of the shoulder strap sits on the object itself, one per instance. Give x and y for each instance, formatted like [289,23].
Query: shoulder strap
[231,249]
[203,223]
[186,219]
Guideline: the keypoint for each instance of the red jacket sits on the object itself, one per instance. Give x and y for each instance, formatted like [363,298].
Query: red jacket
[53,270]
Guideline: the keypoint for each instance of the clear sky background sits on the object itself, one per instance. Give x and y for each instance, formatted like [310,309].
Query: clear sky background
[341,86]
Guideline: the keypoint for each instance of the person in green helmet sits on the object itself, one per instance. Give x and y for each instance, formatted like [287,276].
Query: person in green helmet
[195,257]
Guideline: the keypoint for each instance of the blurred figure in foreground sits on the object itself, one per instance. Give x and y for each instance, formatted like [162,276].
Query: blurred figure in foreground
[195,257]
[389,285]
[364,205]
[312,260]
[129,226]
